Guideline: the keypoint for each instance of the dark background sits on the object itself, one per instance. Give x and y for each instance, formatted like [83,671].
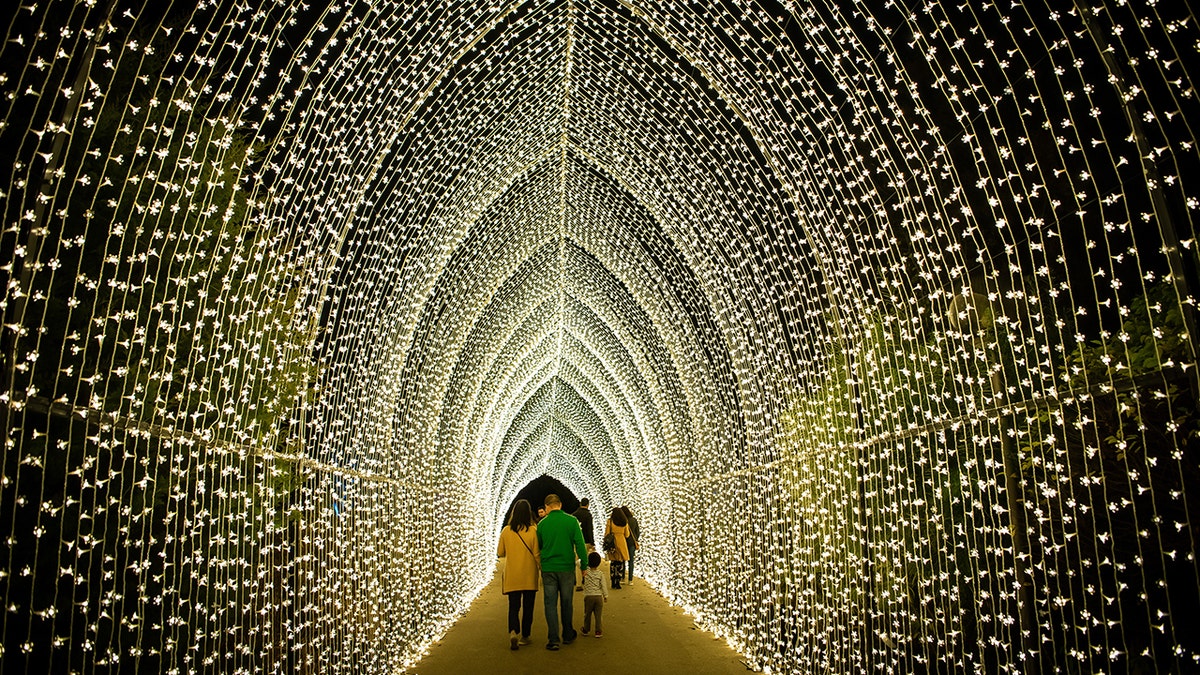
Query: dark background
[536,492]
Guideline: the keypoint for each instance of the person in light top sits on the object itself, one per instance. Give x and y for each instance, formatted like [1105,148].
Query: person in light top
[595,594]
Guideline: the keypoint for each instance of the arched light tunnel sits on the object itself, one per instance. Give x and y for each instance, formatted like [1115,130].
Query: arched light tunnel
[880,315]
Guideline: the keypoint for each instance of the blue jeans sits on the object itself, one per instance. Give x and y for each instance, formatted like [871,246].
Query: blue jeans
[559,591]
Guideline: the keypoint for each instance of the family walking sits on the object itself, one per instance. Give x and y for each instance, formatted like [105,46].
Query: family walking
[553,550]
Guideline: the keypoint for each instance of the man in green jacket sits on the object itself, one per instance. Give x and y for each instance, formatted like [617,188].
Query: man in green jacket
[561,542]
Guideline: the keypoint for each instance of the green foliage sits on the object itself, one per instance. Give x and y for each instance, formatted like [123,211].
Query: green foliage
[1132,379]
[1152,337]
[170,319]
[170,308]
[1115,396]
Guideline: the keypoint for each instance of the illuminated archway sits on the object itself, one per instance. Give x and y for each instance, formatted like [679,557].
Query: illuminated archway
[886,313]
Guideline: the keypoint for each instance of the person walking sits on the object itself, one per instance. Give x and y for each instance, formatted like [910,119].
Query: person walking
[618,527]
[561,543]
[519,548]
[584,515]
[595,594]
[631,543]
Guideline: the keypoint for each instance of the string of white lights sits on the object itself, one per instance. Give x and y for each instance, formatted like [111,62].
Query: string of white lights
[881,318]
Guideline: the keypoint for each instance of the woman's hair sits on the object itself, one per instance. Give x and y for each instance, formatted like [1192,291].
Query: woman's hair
[521,517]
[618,517]
[627,512]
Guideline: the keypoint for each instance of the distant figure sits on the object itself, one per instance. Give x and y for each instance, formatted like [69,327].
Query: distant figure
[632,541]
[561,543]
[519,548]
[617,526]
[595,594]
[540,514]
[584,516]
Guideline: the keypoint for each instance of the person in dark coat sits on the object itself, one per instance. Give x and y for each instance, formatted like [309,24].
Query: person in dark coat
[584,516]
[632,541]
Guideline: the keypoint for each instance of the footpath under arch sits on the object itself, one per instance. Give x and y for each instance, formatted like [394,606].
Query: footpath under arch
[880,316]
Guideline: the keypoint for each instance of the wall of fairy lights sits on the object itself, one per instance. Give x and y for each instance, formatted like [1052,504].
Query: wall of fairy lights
[880,315]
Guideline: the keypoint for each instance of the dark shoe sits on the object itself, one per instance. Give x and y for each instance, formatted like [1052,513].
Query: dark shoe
[599,633]
[567,641]
[512,641]
[585,631]
[553,646]
[525,641]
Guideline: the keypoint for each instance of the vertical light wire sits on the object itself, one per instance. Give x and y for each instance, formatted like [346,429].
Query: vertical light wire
[880,317]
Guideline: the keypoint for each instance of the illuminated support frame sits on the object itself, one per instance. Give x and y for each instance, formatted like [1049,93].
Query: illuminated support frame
[880,319]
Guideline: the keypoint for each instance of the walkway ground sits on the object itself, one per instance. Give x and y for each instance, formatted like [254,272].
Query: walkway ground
[643,633]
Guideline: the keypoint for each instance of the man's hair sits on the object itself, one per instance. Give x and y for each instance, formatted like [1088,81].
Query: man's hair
[553,500]
[584,502]
[593,559]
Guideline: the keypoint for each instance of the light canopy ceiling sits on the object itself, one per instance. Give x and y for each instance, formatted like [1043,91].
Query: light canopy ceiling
[880,315]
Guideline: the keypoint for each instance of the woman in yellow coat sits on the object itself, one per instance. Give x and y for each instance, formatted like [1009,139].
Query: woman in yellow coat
[619,528]
[519,548]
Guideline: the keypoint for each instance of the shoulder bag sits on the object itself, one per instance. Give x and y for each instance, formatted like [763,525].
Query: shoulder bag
[537,564]
[609,543]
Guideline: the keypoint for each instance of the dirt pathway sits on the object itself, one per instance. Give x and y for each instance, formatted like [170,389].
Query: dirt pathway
[643,633]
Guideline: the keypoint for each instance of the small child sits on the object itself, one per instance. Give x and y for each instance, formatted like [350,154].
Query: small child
[595,594]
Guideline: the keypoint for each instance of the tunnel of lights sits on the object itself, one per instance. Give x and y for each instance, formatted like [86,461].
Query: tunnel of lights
[879,315]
